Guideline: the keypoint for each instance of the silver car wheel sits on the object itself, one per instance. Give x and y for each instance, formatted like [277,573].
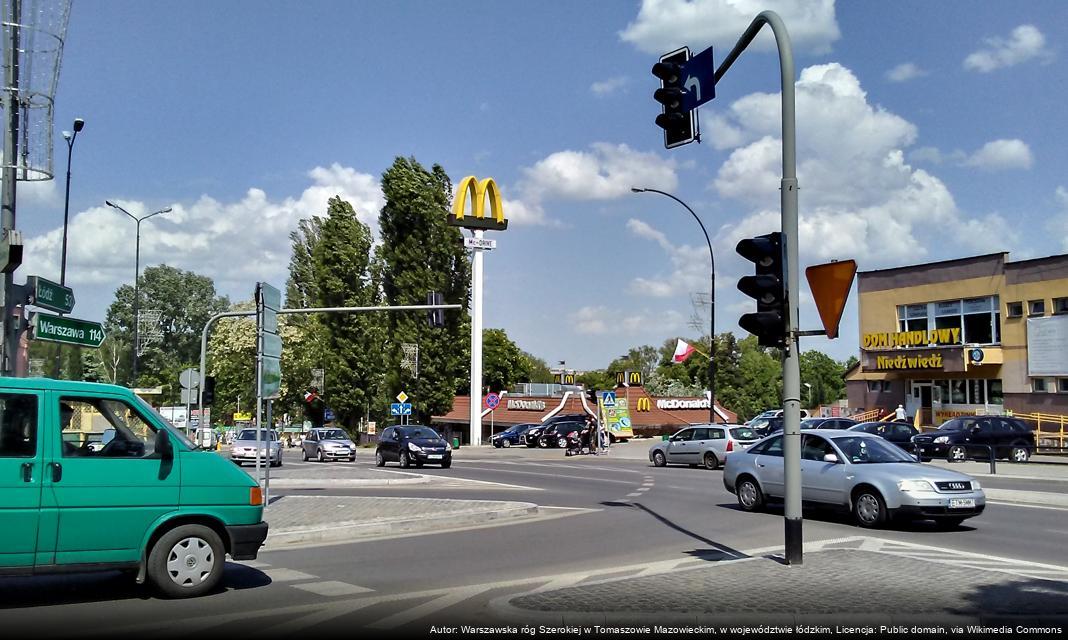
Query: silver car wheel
[190,562]
[506,443]
[1020,454]
[658,459]
[868,508]
[747,493]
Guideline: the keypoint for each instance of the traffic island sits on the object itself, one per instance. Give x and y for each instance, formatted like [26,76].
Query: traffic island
[296,520]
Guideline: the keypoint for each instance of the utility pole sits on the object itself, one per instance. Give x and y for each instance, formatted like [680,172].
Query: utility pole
[10,325]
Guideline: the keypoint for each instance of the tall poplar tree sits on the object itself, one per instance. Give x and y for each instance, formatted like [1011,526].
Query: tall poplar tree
[422,253]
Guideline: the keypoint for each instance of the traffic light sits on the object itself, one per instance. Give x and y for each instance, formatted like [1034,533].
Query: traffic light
[435,317]
[768,287]
[208,394]
[679,124]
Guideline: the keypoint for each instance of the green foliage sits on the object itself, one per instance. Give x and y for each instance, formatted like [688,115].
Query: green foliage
[826,375]
[503,363]
[539,369]
[644,359]
[421,253]
[599,380]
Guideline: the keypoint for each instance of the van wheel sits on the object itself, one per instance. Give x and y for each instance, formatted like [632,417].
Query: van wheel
[1019,453]
[711,462]
[187,561]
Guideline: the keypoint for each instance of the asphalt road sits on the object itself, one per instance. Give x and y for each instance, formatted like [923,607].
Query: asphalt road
[606,516]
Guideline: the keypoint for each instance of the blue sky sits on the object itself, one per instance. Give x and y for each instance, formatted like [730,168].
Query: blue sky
[926,131]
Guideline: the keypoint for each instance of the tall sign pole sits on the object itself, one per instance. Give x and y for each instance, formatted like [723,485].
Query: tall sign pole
[481,191]
[10,326]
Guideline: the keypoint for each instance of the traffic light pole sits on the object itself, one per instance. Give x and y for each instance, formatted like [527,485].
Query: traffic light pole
[791,370]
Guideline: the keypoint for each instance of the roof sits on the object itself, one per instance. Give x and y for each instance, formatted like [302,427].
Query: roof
[49,384]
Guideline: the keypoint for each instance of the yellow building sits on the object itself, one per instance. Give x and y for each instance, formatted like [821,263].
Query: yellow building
[965,336]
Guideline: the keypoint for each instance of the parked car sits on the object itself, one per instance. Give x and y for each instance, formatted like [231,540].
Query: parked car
[328,444]
[511,436]
[244,447]
[967,437]
[766,426]
[772,413]
[531,435]
[555,435]
[827,423]
[858,471]
[899,433]
[413,444]
[149,502]
[708,444]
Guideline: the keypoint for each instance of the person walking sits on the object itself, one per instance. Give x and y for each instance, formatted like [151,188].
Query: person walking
[899,414]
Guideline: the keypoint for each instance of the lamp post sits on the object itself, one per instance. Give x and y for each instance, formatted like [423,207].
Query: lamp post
[712,305]
[70,138]
[137,277]
[808,393]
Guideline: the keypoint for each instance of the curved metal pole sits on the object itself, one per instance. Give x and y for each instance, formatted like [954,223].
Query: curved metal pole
[712,305]
[791,371]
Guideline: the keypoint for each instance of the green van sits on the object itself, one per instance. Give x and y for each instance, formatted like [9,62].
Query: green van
[92,478]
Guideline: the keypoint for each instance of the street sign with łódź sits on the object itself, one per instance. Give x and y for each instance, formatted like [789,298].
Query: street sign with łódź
[830,284]
[67,330]
[492,400]
[49,295]
[699,80]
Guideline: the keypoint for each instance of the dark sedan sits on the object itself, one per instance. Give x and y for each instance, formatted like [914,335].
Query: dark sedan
[899,433]
[413,444]
[827,423]
[555,435]
[511,436]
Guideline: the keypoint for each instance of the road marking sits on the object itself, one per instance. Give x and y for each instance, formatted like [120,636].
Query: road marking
[643,489]
[451,598]
[332,588]
[634,495]
[287,575]
[555,475]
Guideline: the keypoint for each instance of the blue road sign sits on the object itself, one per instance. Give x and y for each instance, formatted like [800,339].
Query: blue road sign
[406,408]
[608,398]
[699,80]
[492,400]
[395,409]
[328,415]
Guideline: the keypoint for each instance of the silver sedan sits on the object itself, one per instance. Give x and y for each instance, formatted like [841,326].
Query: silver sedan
[243,448]
[861,472]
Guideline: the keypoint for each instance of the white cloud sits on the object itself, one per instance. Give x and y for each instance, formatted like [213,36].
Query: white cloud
[609,86]
[905,72]
[1059,223]
[930,155]
[599,320]
[690,265]
[1062,196]
[664,25]
[988,234]
[1025,43]
[1002,154]
[236,243]
[858,196]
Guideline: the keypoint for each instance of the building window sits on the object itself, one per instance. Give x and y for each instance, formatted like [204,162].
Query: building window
[941,391]
[912,317]
[886,386]
[1036,307]
[957,393]
[1062,385]
[1060,305]
[1014,310]
[873,386]
[995,395]
[977,391]
[1038,385]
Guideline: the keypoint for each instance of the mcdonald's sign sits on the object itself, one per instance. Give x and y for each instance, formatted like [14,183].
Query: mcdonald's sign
[634,378]
[644,405]
[566,378]
[621,378]
[480,190]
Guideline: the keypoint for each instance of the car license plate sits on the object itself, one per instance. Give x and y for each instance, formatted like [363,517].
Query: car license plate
[962,503]
[434,456]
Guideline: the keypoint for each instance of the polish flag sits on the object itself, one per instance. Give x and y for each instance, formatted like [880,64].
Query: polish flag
[682,351]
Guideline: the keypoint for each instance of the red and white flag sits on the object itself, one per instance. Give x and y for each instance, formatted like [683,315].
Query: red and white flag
[682,351]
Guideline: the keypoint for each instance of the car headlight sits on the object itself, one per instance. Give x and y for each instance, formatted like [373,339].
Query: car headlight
[976,486]
[941,440]
[448,447]
[414,447]
[915,485]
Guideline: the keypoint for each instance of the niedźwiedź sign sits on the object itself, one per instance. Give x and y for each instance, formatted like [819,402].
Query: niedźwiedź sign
[917,361]
[67,330]
[887,340]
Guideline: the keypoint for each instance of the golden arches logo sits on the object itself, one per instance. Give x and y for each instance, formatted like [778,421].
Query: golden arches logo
[480,191]
[644,404]
[569,378]
[636,378]
[621,378]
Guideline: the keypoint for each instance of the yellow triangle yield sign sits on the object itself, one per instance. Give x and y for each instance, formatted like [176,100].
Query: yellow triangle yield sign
[830,284]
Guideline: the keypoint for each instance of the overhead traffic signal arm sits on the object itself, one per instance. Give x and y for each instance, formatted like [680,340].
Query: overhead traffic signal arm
[768,287]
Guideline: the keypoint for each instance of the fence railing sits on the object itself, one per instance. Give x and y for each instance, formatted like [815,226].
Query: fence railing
[867,416]
[1048,426]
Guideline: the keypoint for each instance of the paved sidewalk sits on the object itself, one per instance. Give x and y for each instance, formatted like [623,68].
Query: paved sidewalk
[312,519]
[850,582]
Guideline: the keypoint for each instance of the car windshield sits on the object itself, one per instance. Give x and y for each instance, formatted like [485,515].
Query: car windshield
[811,423]
[333,434]
[420,432]
[861,450]
[952,425]
[744,433]
[250,434]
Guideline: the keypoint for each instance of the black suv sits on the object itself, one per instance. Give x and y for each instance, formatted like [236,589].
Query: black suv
[555,435]
[532,436]
[966,437]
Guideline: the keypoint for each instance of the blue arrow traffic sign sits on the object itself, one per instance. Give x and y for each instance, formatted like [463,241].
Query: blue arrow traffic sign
[699,80]
[395,409]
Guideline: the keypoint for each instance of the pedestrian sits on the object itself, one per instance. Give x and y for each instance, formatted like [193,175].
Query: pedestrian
[900,413]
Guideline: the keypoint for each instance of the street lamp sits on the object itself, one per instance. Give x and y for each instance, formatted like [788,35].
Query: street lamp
[712,303]
[137,276]
[808,393]
[70,138]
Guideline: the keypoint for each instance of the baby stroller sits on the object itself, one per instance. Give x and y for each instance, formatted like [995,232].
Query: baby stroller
[578,441]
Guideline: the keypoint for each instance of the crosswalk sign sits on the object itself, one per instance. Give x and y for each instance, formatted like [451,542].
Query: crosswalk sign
[608,398]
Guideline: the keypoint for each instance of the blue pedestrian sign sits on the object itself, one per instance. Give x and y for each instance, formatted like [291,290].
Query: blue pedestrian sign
[608,398]
[400,409]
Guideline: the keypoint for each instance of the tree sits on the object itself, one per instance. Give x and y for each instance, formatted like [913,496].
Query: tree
[503,362]
[599,380]
[644,359]
[421,252]
[306,334]
[185,301]
[539,369]
[826,375]
[341,268]
[302,289]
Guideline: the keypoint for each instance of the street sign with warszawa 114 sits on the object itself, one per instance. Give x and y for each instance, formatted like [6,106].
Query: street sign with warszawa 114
[67,330]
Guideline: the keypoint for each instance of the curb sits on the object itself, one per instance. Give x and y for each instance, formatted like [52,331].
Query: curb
[353,531]
[319,483]
[1044,498]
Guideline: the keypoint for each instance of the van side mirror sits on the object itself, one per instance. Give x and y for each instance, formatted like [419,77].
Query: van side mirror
[830,457]
[163,445]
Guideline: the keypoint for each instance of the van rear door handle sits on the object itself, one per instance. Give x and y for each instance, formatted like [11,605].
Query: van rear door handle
[57,471]
[27,472]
